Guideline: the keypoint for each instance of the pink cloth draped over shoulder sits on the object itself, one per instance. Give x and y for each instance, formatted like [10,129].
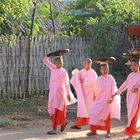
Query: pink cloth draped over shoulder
[101,109]
[84,84]
[59,88]
[132,99]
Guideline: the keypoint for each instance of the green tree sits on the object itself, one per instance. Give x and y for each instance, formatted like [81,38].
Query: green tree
[103,20]
[87,16]
[16,17]
[106,23]
[12,16]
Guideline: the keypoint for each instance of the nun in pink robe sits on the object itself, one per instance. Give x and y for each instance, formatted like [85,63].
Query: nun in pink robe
[101,109]
[133,102]
[59,89]
[84,84]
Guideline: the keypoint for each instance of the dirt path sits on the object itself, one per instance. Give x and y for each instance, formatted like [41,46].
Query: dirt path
[39,129]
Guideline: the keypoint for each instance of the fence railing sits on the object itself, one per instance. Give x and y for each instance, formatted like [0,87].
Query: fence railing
[22,72]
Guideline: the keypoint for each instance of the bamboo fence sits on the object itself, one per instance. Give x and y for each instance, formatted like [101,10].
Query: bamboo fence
[22,72]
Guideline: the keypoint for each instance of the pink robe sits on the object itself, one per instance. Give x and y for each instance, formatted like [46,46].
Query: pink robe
[133,99]
[84,84]
[139,90]
[59,88]
[101,109]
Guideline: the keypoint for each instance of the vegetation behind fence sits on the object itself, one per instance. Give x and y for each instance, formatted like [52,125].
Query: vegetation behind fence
[22,72]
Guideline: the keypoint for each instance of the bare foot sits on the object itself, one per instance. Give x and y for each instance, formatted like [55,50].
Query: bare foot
[109,135]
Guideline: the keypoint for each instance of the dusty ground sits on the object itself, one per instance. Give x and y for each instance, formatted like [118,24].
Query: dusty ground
[34,128]
[28,120]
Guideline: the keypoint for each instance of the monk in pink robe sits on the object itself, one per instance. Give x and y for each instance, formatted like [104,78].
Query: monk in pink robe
[132,84]
[60,94]
[84,84]
[102,111]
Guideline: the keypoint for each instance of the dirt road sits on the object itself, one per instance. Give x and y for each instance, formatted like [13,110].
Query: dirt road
[38,132]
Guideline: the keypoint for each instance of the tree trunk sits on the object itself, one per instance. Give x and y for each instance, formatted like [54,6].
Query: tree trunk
[28,52]
[52,18]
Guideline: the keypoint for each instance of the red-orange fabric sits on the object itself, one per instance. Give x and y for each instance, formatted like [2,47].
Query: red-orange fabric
[134,30]
[81,121]
[132,129]
[93,128]
[59,118]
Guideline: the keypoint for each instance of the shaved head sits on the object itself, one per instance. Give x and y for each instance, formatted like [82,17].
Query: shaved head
[88,60]
[87,63]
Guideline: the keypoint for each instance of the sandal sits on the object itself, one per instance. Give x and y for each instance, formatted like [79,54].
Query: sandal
[91,134]
[51,132]
[63,126]
[75,127]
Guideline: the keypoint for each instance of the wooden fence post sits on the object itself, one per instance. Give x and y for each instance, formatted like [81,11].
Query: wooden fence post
[28,51]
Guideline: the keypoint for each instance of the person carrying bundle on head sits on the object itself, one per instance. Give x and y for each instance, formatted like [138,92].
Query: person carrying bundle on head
[102,110]
[132,85]
[60,94]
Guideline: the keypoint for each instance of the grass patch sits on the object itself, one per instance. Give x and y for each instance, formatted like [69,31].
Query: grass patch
[7,123]
[22,112]
[21,118]
[32,106]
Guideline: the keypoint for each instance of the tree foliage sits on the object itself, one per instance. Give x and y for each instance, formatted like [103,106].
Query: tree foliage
[16,16]
[103,20]
[80,18]
[12,16]
[106,22]
[88,16]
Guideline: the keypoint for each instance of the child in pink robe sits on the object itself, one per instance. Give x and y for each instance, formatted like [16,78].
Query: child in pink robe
[59,94]
[85,91]
[132,84]
[102,111]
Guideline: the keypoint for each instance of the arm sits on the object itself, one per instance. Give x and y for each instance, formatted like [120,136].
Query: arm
[120,90]
[67,84]
[123,87]
[48,63]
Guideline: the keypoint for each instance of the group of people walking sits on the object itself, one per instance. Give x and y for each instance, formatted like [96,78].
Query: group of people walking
[98,97]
